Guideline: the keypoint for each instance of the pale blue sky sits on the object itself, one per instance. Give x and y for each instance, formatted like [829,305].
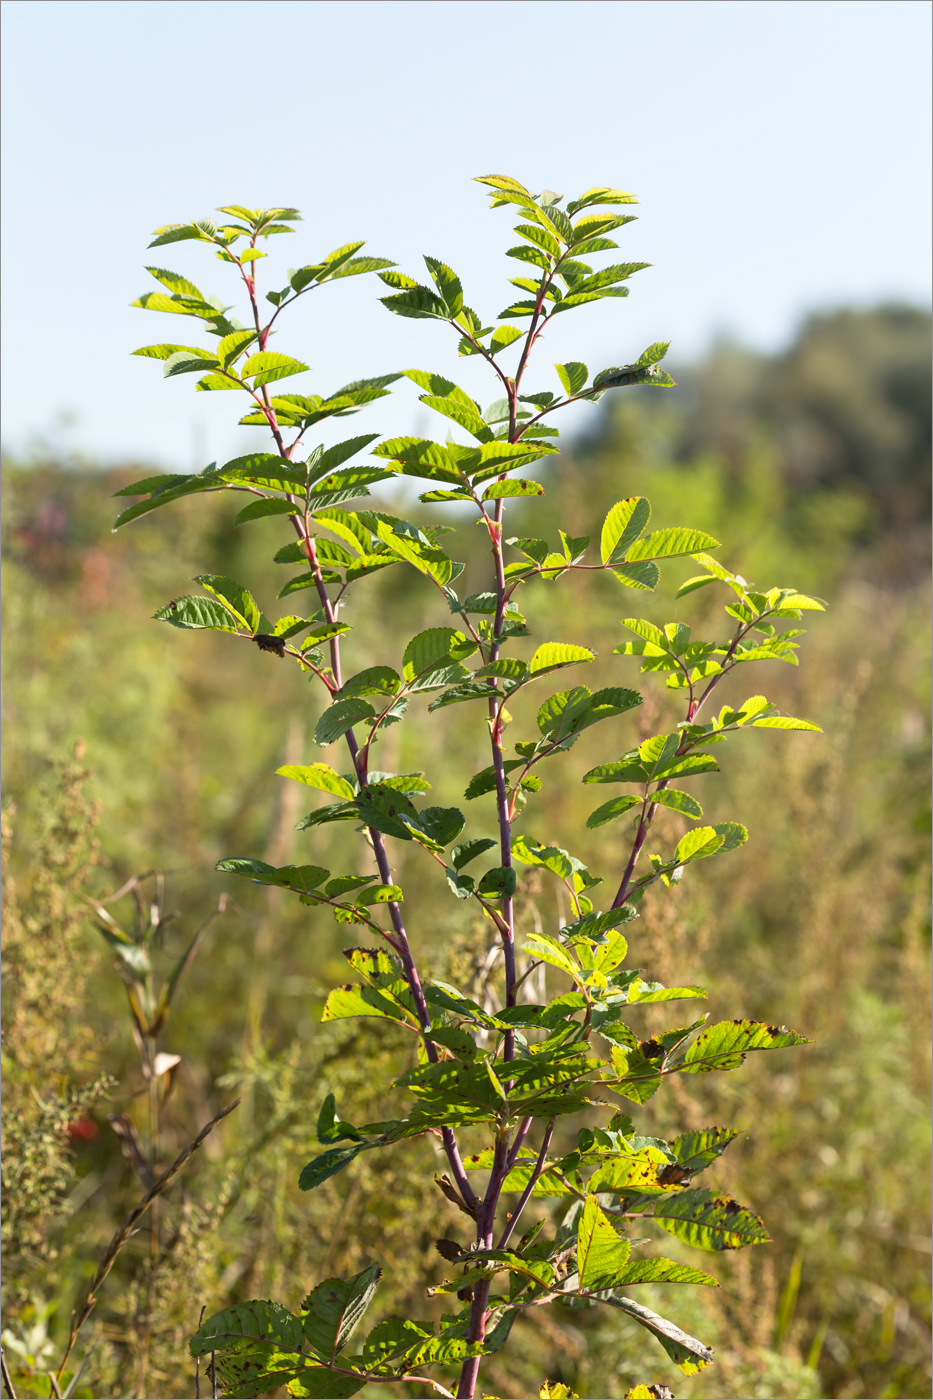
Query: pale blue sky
[780,152]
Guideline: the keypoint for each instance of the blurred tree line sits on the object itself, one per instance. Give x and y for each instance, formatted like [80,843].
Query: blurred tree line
[813,468]
[847,407]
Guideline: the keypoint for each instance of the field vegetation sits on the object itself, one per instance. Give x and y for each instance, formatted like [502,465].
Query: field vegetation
[136,758]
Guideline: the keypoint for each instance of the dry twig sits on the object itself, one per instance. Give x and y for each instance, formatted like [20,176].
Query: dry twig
[125,1230]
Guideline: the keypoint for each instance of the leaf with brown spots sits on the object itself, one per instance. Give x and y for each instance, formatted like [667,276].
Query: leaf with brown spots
[709,1220]
[725,1045]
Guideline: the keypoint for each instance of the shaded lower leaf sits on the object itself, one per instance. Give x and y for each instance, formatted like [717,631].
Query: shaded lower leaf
[321,1383]
[440,825]
[685,1351]
[302,878]
[331,1312]
[242,1326]
[385,808]
[295,585]
[468,850]
[249,1373]
[319,1169]
[393,1337]
[461,885]
[258,510]
[341,716]
[498,883]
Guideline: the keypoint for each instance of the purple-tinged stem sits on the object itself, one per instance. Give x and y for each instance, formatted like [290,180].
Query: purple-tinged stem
[526,1194]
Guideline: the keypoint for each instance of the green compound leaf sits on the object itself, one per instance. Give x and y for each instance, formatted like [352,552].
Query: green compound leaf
[237,598]
[196,612]
[678,801]
[264,469]
[641,574]
[438,826]
[706,841]
[428,560]
[374,680]
[248,1366]
[467,416]
[622,527]
[573,376]
[341,716]
[183,362]
[724,1045]
[405,1343]
[174,233]
[547,857]
[320,776]
[563,718]
[608,812]
[461,885]
[504,336]
[550,656]
[601,1253]
[697,1150]
[512,487]
[164,494]
[330,1127]
[418,302]
[432,658]
[386,809]
[302,878]
[248,1323]
[709,1220]
[163,352]
[258,510]
[448,284]
[671,544]
[661,1270]
[231,346]
[341,452]
[267,365]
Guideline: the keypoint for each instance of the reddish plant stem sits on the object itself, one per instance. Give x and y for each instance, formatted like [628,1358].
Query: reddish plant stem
[535,1175]
[502,796]
[484,1235]
[518,1140]
[649,808]
[469,1372]
[400,939]
[262,334]
[503,1157]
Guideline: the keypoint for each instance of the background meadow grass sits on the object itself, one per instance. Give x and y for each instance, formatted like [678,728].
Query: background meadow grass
[812,468]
